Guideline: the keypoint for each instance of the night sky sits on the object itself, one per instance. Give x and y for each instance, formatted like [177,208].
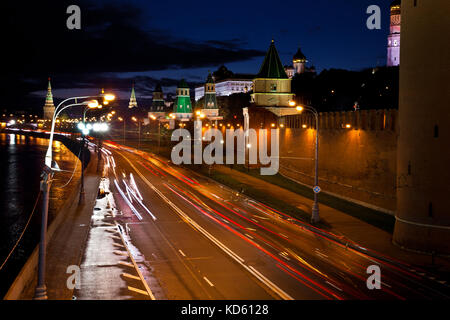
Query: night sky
[149,41]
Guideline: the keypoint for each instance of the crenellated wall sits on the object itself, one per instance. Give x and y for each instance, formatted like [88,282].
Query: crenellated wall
[356,162]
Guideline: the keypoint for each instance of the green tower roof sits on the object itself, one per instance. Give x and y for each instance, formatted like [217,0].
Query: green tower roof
[183,84]
[272,66]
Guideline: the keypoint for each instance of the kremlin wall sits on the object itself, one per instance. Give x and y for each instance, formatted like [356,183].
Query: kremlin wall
[357,153]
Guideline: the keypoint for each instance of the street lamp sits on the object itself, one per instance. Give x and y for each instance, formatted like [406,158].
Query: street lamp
[315,207]
[159,130]
[46,181]
[139,132]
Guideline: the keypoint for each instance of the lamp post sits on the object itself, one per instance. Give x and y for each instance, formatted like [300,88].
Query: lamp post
[45,184]
[315,207]
[159,130]
[139,130]
[122,120]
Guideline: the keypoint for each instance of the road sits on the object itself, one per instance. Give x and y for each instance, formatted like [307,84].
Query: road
[200,240]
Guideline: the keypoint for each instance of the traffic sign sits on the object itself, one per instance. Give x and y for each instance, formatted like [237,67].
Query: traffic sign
[316,189]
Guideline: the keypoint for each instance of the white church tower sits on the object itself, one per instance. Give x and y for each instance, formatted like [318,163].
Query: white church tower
[393,51]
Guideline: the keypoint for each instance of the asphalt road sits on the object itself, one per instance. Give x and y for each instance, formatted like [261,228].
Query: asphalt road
[200,240]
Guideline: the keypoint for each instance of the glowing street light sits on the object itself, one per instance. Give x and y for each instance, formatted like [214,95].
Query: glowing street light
[93,104]
[108,97]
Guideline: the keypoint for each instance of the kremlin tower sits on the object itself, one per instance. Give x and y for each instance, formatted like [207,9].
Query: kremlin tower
[158,106]
[133,102]
[393,51]
[423,157]
[272,87]
[49,107]
[211,109]
[299,61]
[182,107]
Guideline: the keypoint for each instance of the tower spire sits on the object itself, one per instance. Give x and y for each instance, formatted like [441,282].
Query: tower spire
[133,102]
[49,107]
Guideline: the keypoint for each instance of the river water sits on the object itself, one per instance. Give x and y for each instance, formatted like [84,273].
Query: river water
[21,163]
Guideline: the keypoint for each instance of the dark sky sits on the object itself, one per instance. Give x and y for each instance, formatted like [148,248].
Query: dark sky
[147,41]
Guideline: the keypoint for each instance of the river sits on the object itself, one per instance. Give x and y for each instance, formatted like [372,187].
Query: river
[21,163]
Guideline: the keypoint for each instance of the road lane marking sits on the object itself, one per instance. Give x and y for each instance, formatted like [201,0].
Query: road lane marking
[147,288]
[209,282]
[260,217]
[182,253]
[138,291]
[320,254]
[284,255]
[233,255]
[127,275]
[126,264]
[249,236]
[215,196]
[333,285]
[121,253]
[300,259]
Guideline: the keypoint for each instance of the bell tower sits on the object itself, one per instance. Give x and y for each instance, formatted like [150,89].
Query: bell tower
[393,51]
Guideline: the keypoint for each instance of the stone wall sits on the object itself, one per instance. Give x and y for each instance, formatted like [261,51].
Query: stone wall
[357,152]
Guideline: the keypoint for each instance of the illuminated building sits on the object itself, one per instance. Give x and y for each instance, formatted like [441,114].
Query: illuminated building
[49,107]
[393,51]
[133,102]
[211,109]
[182,107]
[299,61]
[272,87]
[158,107]
[226,87]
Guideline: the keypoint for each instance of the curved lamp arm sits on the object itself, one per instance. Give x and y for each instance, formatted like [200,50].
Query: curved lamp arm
[48,155]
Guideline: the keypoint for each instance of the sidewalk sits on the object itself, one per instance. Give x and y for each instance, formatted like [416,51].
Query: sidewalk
[66,240]
[341,223]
